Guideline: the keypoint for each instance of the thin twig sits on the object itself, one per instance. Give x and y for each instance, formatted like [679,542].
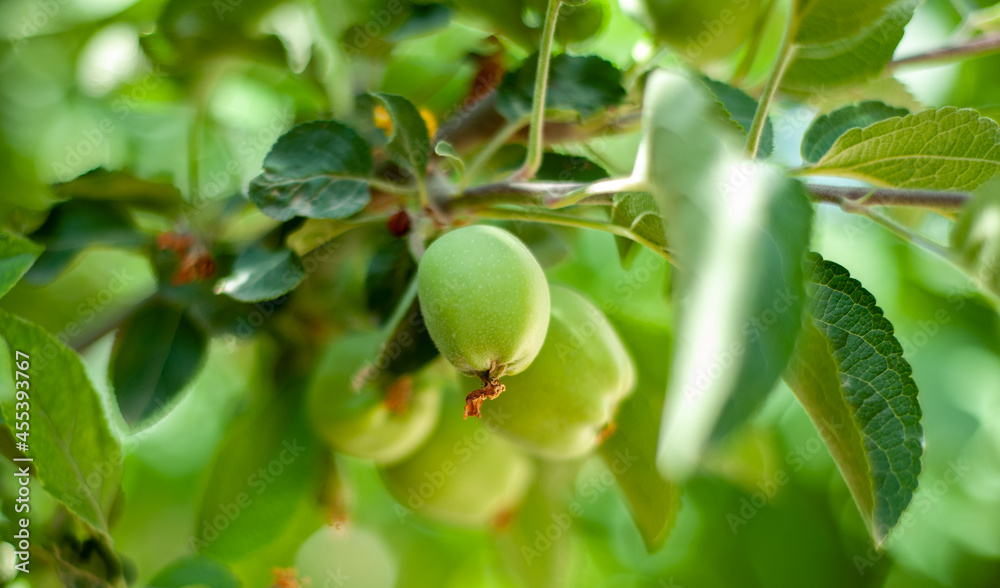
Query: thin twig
[887,197]
[980,47]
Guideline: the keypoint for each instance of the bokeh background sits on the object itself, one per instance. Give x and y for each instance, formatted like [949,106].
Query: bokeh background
[194,93]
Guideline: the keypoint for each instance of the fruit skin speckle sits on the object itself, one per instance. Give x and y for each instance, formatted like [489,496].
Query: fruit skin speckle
[485,301]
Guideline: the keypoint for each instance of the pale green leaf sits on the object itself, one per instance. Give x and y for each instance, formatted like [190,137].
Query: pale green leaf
[77,458]
[824,61]
[942,149]
[630,452]
[849,374]
[16,256]
[739,230]
[827,128]
[822,21]
[446,149]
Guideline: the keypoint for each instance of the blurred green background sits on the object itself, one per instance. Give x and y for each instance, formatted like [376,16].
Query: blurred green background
[194,93]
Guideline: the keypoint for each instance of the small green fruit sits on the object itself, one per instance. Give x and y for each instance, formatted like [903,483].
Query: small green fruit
[703,31]
[465,475]
[485,301]
[559,406]
[331,555]
[359,414]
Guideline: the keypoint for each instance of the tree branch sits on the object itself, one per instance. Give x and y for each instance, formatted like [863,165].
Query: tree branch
[887,197]
[980,47]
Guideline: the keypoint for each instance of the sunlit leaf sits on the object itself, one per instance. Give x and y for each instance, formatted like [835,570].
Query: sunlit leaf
[943,149]
[739,230]
[316,170]
[827,128]
[849,374]
[77,458]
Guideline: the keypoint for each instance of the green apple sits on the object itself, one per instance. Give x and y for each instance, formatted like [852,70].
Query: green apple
[702,31]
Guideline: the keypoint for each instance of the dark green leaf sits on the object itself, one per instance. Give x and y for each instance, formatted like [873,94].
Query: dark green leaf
[423,19]
[195,571]
[739,229]
[943,149]
[16,257]
[827,128]
[849,374]
[738,109]
[583,84]
[77,458]
[409,142]
[638,212]
[76,225]
[389,274]
[316,170]
[630,452]
[157,352]
[260,274]
[557,167]
[263,472]
[123,187]
[976,236]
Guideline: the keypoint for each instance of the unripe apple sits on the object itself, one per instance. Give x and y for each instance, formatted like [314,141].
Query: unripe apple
[464,475]
[485,301]
[360,413]
[346,556]
[560,405]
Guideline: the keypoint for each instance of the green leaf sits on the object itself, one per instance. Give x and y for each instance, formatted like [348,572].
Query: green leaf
[316,170]
[157,352]
[583,84]
[638,212]
[446,149]
[265,468]
[739,229]
[260,274]
[409,143]
[827,128]
[76,225]
[943,149]
[77,458]
[825,59]
[976,236]
[195,571]
[389,274]
[16,257]
[630,452]
[738,109]
[557,167]
[849,374]
[123,187]
[823,21]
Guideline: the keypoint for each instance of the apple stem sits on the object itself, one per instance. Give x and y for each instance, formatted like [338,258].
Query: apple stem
[492,387]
